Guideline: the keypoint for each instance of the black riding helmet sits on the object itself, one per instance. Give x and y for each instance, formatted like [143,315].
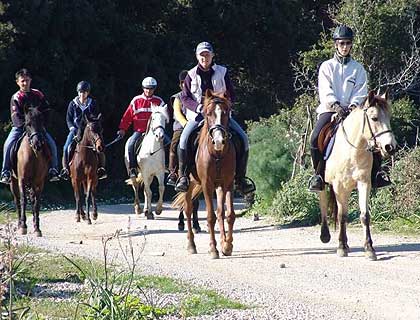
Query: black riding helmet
[343,32]
[83,86]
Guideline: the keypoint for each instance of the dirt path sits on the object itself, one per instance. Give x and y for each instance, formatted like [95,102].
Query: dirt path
[315,283]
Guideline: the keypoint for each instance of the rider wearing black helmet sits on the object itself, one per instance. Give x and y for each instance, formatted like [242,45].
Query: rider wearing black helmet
[80,106]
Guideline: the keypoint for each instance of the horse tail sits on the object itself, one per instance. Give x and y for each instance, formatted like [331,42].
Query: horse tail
[139,180]
[179,199]
[332,205]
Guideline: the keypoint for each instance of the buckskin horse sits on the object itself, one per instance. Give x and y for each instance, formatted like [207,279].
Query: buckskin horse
[33,159]
[84,165]
[365,130]
[214,171]
[151,162]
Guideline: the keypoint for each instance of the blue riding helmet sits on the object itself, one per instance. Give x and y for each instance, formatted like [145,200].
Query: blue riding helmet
[83,86]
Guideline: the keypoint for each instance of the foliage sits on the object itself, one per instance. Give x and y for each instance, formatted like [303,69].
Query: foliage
[405,121]
[293,204]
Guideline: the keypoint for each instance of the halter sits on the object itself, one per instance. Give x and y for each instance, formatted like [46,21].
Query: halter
[153,131]
[371,147]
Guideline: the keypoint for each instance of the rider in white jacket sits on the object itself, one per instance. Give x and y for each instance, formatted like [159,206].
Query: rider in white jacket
[342,85]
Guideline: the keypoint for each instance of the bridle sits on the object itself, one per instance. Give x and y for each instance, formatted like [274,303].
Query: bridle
[220,127]
[154,129]
[94,138]
[371,147]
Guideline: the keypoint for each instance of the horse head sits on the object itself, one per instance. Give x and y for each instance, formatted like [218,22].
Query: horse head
[376,125]
[158,120]
[34,126]
[93,133]
[216,110]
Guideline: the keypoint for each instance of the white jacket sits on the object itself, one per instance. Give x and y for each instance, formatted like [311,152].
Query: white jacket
[345,83]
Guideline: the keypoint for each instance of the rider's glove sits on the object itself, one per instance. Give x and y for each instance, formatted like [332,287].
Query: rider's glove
[341,111]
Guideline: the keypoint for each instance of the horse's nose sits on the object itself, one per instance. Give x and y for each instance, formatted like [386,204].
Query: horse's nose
[390,149]
[100,148]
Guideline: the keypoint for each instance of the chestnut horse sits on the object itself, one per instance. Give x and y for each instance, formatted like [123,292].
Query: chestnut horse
[84,165]
[33,159]
[365,130]
[214,171]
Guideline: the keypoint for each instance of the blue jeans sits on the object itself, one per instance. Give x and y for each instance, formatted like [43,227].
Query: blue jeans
[13,136]
[192,124]
[132,161]
[69,140]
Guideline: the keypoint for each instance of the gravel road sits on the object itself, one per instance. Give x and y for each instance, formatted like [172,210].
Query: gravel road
[313,283]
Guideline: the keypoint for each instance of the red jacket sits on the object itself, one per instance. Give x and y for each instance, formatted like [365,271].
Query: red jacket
[138,112]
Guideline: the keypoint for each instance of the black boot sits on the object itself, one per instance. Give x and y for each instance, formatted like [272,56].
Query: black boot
[101,167]
[379,178]
[316,182]
[243,184]
[183,181]
[172,177]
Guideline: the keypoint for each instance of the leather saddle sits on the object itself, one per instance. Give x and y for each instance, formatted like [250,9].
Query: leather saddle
[326,138]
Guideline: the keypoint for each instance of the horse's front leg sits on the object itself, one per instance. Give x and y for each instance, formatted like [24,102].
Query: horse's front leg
[188,207]
[196,225]
[220,213]
[161,180]
[323,204]
[364,191]
[88,194]
[230,218]
[22,221]
[36,205]
[94,205]
[342,197]
[76,189]
[148,198]
[211,220]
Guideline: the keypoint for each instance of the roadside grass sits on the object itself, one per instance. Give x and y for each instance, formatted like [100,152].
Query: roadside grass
[45,278]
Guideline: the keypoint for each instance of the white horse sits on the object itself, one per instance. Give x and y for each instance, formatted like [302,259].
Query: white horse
[350,165]
[151,162]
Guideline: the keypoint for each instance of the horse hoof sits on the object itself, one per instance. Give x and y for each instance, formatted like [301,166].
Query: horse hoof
[371,255]
[325,238]
[196,229]
[88,221]
[38,233]
[256,217]
[227,250]
[150,216]
[342,253]
[95,216]
[181,226]
[158,212]
[214,254]
[192,249]
[23,231]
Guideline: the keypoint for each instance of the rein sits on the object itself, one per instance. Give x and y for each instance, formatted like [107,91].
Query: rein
[369,147]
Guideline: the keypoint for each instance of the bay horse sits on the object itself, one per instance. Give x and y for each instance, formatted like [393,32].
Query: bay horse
[365,130]
[33,160]
[84,165]
[151,162]
[214,170]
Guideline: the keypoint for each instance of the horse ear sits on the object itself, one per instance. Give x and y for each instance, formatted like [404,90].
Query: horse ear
[208,93]
[385,95]
[371,96]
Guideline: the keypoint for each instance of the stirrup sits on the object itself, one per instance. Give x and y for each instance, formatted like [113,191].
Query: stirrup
[382,180]
[65,174]
[316,184]
[101,173]
[132,173]
[182,187]
[53,174]
[172,179]
[245,185]
[6,177]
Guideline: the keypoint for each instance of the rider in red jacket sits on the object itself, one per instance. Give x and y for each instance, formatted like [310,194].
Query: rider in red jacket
[138,113]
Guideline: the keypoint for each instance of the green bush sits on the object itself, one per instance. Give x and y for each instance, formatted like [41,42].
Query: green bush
[293,204]
[405,121]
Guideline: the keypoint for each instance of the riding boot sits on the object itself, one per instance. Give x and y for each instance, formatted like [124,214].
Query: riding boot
[172,177]
[242,183]
[379,178]
[101,166]
[316,182]
[183,181]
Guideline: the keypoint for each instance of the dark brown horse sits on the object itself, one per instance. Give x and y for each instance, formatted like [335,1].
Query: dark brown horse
[83,167]
[214,171]
[33,159]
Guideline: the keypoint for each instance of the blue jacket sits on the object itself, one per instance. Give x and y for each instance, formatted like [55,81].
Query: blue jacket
[76,110]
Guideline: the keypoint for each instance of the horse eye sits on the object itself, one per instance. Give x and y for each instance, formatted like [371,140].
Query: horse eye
[375,119]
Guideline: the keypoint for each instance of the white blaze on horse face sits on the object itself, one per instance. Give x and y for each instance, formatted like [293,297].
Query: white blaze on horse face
[218,137]
[158,124]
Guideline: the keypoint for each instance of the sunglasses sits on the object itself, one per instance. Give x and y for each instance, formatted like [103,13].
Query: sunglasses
[344,43]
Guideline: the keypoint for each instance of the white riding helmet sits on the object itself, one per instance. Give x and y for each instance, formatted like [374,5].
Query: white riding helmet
[149,83]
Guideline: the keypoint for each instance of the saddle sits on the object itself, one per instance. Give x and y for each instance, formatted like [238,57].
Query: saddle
[326,138]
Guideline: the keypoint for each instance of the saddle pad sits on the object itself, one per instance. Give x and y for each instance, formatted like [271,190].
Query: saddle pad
[328,149]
